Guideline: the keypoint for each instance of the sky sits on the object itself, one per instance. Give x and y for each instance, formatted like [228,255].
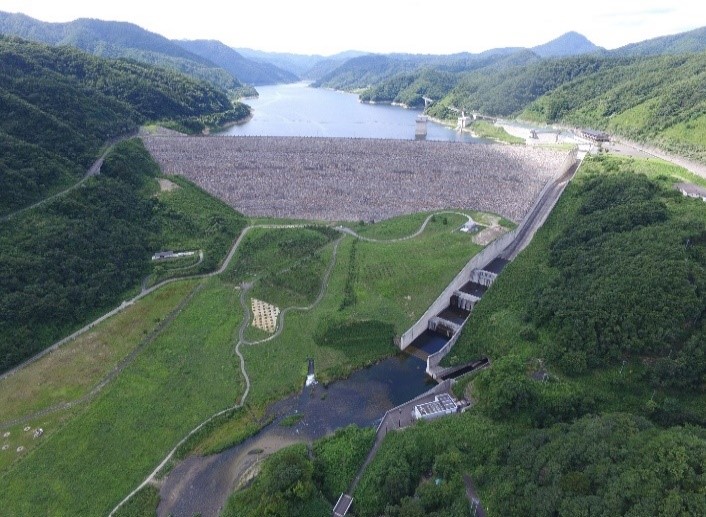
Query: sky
[326,26]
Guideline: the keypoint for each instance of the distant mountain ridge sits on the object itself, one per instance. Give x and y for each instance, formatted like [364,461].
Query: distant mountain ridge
[682,43]
[118,39]
[246,70]
[569,44]
[371,69]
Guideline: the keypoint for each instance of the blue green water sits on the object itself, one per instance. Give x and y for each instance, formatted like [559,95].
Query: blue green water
[299,110]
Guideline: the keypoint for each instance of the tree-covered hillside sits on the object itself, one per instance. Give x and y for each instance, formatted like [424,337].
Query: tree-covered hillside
[79,255]
[60,105]
[246,70]
[657,99]
[683,43]
[118,40]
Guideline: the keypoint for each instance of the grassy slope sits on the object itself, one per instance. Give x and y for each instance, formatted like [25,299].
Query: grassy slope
[107,449]
[75,368]
[191,220]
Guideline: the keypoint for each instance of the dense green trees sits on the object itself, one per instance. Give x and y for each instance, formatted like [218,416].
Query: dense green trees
[284,488]
[616,464]
[70,260]
[61,105]
[111,39]
[631,283]
[77,256]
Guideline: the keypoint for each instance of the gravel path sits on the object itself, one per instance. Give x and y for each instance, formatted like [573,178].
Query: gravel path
[93,170]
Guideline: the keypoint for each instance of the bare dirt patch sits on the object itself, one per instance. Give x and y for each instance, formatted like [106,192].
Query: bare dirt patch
[264,315]
[488,235]
[166,185]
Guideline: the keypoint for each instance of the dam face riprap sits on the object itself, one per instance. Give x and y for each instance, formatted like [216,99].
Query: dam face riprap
[348,179]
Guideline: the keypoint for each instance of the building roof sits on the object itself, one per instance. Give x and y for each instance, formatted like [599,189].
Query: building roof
[691,190]
[600,136]
[441,404]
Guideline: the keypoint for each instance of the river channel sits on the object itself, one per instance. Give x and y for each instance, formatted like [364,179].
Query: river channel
[299,110]
[201,485]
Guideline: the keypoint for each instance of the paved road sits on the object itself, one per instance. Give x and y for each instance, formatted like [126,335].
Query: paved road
[355,234]
[93,170]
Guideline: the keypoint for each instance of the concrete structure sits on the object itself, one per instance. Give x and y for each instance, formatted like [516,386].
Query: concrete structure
[165,255]
[691,190]
[483,277]
[420,132]
[595,136]
[441,405]
[342,505]
[468,226]
[162,255]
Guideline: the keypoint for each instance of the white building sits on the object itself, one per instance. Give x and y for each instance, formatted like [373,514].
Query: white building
[441,405]
[691,190]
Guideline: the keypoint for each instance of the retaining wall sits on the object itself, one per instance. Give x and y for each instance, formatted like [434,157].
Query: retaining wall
[478,261]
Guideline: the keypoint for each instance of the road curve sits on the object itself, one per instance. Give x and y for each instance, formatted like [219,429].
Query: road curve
[93,170]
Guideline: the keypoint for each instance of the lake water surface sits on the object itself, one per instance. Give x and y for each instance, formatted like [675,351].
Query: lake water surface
[299,110]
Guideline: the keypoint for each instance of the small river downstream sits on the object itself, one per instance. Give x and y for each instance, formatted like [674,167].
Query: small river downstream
[201,485]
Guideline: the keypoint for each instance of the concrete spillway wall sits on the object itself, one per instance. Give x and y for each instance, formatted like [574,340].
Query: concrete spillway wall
[482,259]
[479,260]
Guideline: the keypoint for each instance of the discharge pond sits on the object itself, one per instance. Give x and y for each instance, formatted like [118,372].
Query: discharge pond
[299,110]
[201,485]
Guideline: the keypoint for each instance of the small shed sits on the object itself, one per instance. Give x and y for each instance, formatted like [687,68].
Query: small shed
[691,190]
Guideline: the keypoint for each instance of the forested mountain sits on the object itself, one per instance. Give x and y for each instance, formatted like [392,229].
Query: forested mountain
[651,91]
[682,43]
[246,70]
[304,66]
[60,105]
[372,69]
[118,39]
[658,99]
[506,89]
[569,44]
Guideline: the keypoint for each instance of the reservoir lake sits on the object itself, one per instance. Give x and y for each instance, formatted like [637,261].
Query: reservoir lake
[300,110]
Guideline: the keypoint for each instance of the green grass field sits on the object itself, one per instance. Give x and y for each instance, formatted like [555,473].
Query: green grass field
[94,454]
[186,375]
[75,368]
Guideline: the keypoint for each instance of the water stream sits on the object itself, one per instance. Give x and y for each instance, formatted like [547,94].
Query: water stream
[203,484]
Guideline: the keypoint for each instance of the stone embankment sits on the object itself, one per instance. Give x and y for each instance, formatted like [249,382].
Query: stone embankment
[358,179]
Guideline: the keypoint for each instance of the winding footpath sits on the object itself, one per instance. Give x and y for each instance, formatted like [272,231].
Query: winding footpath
[175,312]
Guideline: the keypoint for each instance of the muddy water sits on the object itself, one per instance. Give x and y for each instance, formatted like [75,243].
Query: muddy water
[203,484]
